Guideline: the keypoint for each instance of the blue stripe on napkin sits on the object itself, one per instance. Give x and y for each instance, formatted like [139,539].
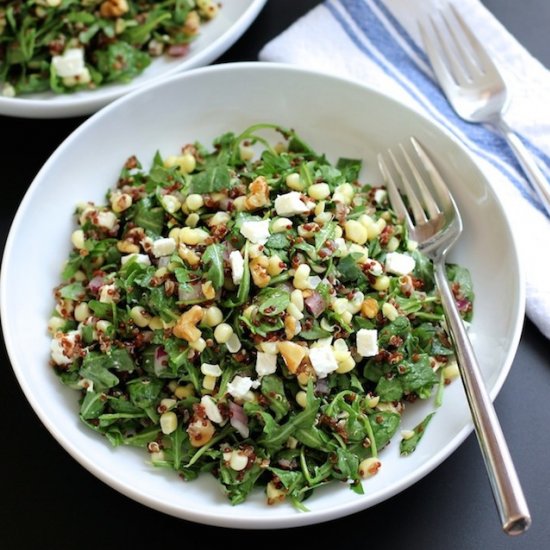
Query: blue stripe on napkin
[423,89]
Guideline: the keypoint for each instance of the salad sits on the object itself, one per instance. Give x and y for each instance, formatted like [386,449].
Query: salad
[68,45]
[252,311]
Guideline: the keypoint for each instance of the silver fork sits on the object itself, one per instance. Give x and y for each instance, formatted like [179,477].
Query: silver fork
[436,225]
[474,86]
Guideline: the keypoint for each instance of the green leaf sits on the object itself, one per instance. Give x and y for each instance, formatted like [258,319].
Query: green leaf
[94,369]
[92,405]
[213,264]
[278,241]
[326,233]
[408,446]
[348,268]
[273,301]
[73,291]
[272,388]
[350,168]
[144,392]
[121,62]
[244,285]
[150,217]
[211,180]
[389,389]
[384,425]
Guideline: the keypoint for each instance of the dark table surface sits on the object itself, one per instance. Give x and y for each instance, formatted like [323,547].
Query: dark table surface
[49,501]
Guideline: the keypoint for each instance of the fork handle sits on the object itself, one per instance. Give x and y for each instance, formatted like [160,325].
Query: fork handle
[507,491]
[534,174]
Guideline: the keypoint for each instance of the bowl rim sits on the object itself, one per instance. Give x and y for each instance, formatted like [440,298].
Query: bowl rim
[93,100]
[250,522]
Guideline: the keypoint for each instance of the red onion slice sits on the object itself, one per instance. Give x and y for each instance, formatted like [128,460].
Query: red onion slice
[238,419]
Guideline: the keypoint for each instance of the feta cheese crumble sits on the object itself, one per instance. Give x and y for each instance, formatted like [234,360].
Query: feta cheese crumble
[237,266]
[70,63]
[400,264]
[290,204]
[367,342]
[266,363]
[255,232]
[323,360]
[164,247]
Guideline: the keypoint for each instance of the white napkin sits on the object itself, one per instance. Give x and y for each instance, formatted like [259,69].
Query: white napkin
[377,42]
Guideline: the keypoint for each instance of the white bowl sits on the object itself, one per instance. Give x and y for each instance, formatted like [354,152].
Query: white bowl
[335,116]
[216,37]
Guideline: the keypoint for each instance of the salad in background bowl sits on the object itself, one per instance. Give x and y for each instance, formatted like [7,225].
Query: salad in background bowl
[60,58]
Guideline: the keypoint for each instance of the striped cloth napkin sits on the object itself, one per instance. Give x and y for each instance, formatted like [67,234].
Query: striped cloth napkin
[377,42]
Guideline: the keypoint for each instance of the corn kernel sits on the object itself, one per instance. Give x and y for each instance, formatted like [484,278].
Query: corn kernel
[187,163]
[192,220]
[372,401]
[170,203]
[274,265]
[369,467]
[219,218]
[167,404]
[120,202]
[140,317]
[346,364]
[103,326]
[156,323]
[451,372]
[301,399]
[55,324]
[198,345]
[347,317]
[209,382]
[274,494]
[181,392]
[213,316]
[356,232]
[246,152]
[369,308]
[223,333]
[294,182]
[389,311]
[255,250]
[382,283]
[168,422]
[78,240]
[81,312]
[280,225]
[239,204]
[200,432]
[233,344]
[238,461]
[192,236]
[393,244]
[294,312]
[194,202]
[301,277]
[319,191]
[297,298]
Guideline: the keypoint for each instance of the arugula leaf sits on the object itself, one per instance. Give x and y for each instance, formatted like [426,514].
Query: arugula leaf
[273,301]
[408,446]
[213,262]
[150,217]
[214,178]
[348,268]
[350,168]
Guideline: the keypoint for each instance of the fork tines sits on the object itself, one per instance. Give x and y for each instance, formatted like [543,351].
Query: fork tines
[453,41]
[415,187]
